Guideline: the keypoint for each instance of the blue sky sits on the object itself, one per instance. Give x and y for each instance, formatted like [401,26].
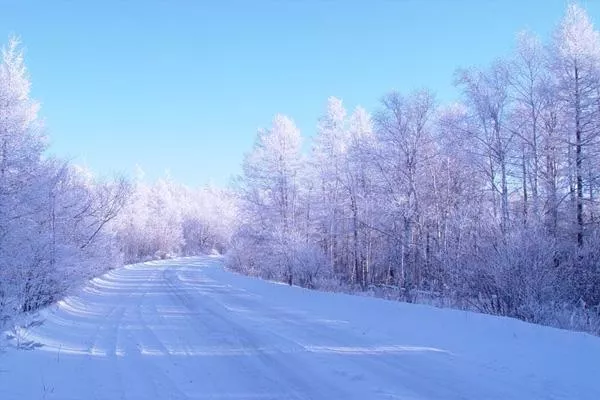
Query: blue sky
[184,85]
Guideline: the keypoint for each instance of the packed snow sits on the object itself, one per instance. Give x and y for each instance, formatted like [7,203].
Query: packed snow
[189,329]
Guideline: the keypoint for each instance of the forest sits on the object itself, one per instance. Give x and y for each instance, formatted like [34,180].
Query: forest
[487,204]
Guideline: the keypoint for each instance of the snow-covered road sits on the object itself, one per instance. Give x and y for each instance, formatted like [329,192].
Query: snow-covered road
[187,329]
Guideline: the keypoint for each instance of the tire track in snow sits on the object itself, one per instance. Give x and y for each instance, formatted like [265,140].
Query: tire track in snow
[165,387]
[278,365]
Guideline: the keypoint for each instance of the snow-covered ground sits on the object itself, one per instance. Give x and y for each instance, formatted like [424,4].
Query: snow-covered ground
[187,329]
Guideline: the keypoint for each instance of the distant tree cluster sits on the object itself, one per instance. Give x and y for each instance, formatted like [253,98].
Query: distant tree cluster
[54,217]
[490,204]
[166,219]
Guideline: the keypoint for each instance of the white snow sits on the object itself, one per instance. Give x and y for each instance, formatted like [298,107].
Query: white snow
[188,329]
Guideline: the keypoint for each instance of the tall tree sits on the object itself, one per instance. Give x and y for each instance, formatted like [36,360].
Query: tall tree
[328,160]
[403,128]
[271,196]
[487,95]
[528,79]
[358,185]
[575,65]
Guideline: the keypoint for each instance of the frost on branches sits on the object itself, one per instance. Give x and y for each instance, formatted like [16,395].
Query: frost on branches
[54,219]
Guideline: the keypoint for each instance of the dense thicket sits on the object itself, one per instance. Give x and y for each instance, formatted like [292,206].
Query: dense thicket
[490,203]
[54,217]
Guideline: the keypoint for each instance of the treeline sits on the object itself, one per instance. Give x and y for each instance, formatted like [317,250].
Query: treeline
[488,204]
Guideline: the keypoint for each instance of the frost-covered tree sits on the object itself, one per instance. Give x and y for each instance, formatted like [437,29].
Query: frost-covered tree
[576,71]
[271,231]
[486,125]
[528,79]
[329,161]
[358,182]
[403,128]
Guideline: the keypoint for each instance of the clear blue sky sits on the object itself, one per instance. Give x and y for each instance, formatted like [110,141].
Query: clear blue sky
[184,85]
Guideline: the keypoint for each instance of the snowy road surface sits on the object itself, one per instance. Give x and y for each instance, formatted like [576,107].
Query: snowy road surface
[187,329]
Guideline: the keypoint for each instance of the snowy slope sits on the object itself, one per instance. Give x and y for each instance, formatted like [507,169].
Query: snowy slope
[188,329]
